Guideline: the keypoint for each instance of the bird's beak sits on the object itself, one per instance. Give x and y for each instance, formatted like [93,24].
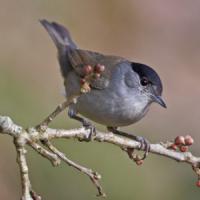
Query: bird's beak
[159,100]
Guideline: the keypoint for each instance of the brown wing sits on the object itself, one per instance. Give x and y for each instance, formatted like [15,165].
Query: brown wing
[80,58]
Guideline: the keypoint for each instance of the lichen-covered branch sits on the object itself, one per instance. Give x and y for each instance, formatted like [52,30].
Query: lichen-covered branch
[21,160]
[41,133]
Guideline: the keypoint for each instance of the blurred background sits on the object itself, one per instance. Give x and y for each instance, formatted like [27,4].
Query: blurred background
[162,34]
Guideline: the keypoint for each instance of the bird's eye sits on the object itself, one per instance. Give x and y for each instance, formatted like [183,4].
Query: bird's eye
[144,81]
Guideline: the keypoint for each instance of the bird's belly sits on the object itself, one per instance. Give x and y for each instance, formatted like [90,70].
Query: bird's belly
[111,109]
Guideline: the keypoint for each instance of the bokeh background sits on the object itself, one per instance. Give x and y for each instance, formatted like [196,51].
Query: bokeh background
[163,34]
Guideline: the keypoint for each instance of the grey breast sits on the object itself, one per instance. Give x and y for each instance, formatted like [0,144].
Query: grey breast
[120,104]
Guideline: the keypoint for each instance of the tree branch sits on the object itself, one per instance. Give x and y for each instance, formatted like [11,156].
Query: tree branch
[33,136]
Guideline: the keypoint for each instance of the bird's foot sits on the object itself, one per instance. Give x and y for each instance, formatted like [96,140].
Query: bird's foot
[86,124]
[144,144]
[92,129]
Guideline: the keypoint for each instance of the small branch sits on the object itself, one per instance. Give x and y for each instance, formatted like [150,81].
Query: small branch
[94,176]
[21,160]
[123,142]
[53,158]
[8,127]
[43,125]
[27,192]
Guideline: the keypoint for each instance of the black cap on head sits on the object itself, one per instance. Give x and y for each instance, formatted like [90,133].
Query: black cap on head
[146,71]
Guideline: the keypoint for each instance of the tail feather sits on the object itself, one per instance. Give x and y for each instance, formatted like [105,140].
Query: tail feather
[59,34]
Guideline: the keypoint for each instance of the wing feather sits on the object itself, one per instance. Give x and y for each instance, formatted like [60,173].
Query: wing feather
[79,58]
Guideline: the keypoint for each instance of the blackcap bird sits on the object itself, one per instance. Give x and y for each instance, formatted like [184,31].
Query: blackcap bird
[111,90]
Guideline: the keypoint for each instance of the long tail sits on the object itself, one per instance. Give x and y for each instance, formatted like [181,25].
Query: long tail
[59,34]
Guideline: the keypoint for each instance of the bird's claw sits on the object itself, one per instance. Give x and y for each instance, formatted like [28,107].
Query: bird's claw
[144,144]
[92,133]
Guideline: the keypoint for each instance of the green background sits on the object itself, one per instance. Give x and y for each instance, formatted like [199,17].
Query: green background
[163,34]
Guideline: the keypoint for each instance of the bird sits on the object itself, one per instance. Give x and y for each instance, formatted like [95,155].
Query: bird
[109,90]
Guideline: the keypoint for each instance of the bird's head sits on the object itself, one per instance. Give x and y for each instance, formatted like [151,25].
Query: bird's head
[149,83]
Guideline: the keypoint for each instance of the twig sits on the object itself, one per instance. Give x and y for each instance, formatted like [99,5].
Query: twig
[43,125]
[43,152]
[27,192]
[123,142]
[49,119]
[94,176]
[21,160]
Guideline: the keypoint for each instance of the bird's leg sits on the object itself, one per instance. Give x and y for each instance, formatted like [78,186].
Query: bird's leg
[86,124]
[143,141]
